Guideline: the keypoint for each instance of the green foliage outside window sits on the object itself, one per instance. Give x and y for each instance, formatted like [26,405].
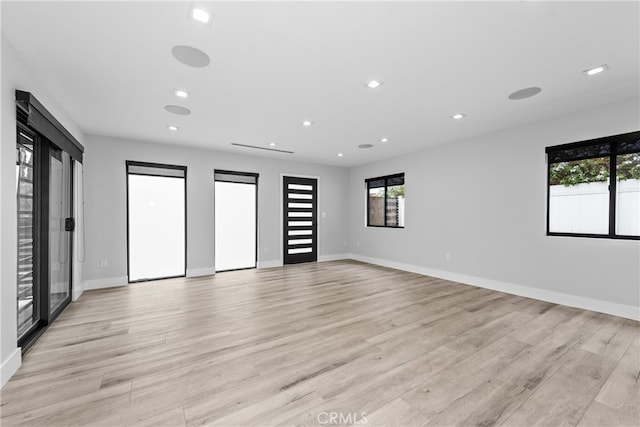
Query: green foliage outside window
[395,191]
[594,170]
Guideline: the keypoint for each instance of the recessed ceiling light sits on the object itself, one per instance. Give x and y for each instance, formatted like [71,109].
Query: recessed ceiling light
[384,140]
[458,116]
[200,15]
[172,128]
[272,144]
[340,155]
[307,123]
[596,70]
[374,84]
[181,93]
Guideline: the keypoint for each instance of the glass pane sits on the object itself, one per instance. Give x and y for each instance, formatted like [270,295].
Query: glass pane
[301,242]
[376,206]
[27,314]
[579,196]
[235,226]
[300,232]
[59,239]
[300,251]
[299,196]
[300,187]
[301,205]
[395,206]
[628,195]
[156,227]
[300,223]
[300,214]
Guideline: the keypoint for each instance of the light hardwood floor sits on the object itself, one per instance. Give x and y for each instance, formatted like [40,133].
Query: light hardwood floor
[325,344]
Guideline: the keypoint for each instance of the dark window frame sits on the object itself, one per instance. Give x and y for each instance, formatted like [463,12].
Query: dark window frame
[256,177]
[135,163]
[386,179]
[609,148]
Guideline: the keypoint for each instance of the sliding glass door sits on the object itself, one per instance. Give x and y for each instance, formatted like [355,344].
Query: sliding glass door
[156,205]
[45,157]
[44,190]
[235,220]
[60,225]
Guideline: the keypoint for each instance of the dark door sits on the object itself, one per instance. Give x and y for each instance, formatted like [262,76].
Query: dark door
[44,176]
[300,220]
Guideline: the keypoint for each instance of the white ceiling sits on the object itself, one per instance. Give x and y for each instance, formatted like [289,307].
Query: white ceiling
[275,64]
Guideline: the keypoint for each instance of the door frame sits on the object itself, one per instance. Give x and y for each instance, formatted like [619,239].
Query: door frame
[317,211]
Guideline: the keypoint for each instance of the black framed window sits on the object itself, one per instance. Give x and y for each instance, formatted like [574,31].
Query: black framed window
[156,221]
[385,201]
[593,188]
[235,220]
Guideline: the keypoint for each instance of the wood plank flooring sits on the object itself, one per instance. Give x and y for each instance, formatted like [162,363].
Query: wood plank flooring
[336,343]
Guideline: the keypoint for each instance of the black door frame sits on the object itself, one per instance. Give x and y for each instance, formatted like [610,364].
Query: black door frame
[303,180]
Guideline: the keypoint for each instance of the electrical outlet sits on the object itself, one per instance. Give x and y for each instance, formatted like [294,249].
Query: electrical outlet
[104,263]
[265,249]
[323,215]
[447,257]
[358,244]
[346,243]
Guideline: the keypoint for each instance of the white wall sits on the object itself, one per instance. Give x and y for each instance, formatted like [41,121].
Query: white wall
[483,201]
[15,75]
[105,205]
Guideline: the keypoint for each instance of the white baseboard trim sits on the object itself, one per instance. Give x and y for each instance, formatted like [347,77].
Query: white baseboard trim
[198,272]
[321,258]
[615,309]
[110,282]
[270,264]
[76,294]
[10,366]
[336,257]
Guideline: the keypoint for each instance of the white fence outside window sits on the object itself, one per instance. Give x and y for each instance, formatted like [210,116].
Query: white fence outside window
[584,208]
